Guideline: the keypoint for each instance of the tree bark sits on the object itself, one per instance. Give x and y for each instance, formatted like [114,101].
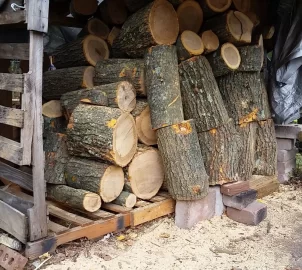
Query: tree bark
[95,27]
[113,12]
[251,58]
[126,199]
[162,85]
[54,125]
[210,41]
[74,198]
[82,11]
[104,179]
[116,70]
[60,81]
[201,98]
[211,8]
[102,133]
[183,163]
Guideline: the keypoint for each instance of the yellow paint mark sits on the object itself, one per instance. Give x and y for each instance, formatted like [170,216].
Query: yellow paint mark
[111,123]
[73,178]
[182,128]
[164,125]
[173,101]
[196,189]
[122,73]
[52,124]
[71,122]
[213,131]
[250,117]
[243,125]
[220,170]
[86,100]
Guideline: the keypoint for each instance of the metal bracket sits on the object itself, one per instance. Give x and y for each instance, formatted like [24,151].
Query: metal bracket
[16,7]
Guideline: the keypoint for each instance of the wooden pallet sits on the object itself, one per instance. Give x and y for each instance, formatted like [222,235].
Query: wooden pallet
[67,225]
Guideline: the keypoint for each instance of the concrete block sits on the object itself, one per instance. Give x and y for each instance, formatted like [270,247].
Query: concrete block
[285,144]
[219,206]
[285,155]
[253,214]
[287,131]
[283,177]
[234,188]
[241,200]
[286,167]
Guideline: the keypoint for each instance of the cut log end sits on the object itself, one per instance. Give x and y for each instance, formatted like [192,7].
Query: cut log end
[192,42]
[210,41]
[95,49]
[113,35]
[97,28]
[145,132]
[126,199]
[52,109]
[126,96]
[219,5]
[85,8]
[88,77]
[230,55]
[242,5]
[91,202]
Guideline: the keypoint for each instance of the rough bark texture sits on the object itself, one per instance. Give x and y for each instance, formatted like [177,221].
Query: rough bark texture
[116,70]
[244,96]
[201,98]
[162,85]
[126,199]
[266,149]
[95,27]
[220,148]
[53,125]
[135,5]
[113,12]
[56,158]
[60,81]
[183,163]
[251,58]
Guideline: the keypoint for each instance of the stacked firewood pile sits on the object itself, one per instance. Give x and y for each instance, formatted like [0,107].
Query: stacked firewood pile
[182,78]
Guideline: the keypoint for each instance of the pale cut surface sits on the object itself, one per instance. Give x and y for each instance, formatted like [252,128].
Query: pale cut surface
[88,77]
[145,133]
[210,41]
[219,5]
[240,26]
[52,109]
[126,96]
[192,42]
[95,49]
[230,55]
[92,202]
[130,201]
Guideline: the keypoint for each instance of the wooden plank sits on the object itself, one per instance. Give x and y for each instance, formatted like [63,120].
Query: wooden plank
[152,211]
[100,214]
[6,99]
[141,203]
[13,222]
[11,150]
[12,17]
[116,208]
[11,82]
[157,198]
[11,116]
[14,51]
[37,15]
[56,228]
[264,185]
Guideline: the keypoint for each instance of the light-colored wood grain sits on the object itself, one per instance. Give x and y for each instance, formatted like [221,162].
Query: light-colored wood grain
[37,15]
[116,208]
[56,228]
[11,150]
[11,82]
[264,185]
[12,17]
[11,116]
[14,51]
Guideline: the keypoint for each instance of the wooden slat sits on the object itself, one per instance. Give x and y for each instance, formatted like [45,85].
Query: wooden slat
[37,15]
[100,214]
[14,51]
[115,208]
[11,82]
[141,203]
[11,116]
[11,150]
[12,17]
[13,222]
[264,185]
[56,228]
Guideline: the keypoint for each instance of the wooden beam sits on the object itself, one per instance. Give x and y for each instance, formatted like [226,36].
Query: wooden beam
[12,17]
[11,82]
[11,151]
[56,228]
[264,185]
[14,51]
[37,15]
[11,116]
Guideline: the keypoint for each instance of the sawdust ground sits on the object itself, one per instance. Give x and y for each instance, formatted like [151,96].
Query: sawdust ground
[219,243]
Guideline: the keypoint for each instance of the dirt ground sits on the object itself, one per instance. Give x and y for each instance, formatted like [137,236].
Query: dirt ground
[219,243]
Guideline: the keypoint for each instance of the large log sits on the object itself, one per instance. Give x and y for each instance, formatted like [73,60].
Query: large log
[135,5]
[126,199]
[162,86]
[154,24]
[220,148]
[83,10]
[95,27]
[113,12]
[201,98]
[233,26]
[266,149]
[56,158]
[141,113]
[74,198]
[225,60]
[210,41]
[104,179]
[81,52]
[116,70]
[213,7]
[60,81]
[103,133]
[53,125]
[183,163]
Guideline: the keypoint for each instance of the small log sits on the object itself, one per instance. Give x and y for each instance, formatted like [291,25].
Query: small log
[95,27]
[56,158]
[143,28]
[188,44]
[210,41]
[53,125]
[220,148]
[113,12]
[224,60]
[126,199]
[116,70]
[234,27]
[74,198]
[201,98]
[141,113]
[93,96]
[82,10]
[183,163]
[60,81]
[190,16]
[162,85]
[52,109]
[113,35]
[135,5]
[213,7]
[81,52]
[103,179]
[103,133]
[268,32]
[146,172]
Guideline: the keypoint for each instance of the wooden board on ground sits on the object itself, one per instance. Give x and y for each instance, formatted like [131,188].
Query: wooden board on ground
[264,185]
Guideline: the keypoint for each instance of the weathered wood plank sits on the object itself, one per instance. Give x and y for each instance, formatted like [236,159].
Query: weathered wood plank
[264,185]
[37,15]
[14,51]
[11,82]
[11,116]
[56,228]
[12,17]
[11,150]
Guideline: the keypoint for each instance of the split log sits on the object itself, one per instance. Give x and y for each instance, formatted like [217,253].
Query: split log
[210,41]
[93,96]
[102,132]
[103,179]
[74,198]
[56,158]
[146,172]
[82,10]
[190,16]
[60,81]
[52,109]
[183,163]
[141,113]
[54,125]
[224,60]
[201,98]
[188,44]
[220,148]
[143,28]
[81,52]
[113,12]
[135,5]
[126,199]
[243,95]
[268,32]
[213,7]
[234,27]
[162,86]
[266,149]
[116,70]
[95,27]
[113,35]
